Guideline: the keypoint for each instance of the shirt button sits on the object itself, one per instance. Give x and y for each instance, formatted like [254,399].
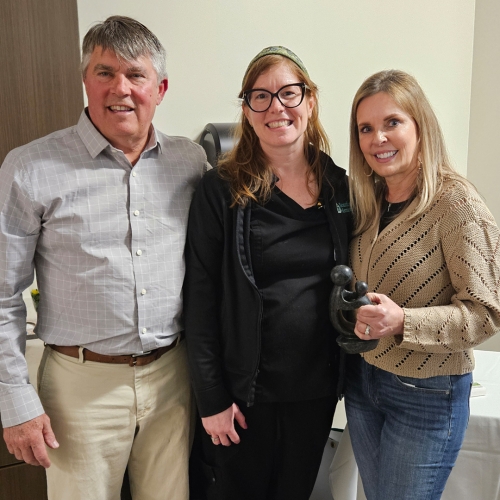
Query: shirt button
[139,252]
[134,174]
[143,330]
[143,291]
[136,213]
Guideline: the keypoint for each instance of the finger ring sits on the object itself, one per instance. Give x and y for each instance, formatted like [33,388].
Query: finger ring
[367,330]
[215,438]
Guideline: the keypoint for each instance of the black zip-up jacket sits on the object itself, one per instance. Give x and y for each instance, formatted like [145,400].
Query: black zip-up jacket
[222,305]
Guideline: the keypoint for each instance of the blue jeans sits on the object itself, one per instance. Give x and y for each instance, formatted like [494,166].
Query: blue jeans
[406,432]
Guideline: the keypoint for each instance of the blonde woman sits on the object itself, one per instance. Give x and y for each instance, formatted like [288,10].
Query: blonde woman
[429,249]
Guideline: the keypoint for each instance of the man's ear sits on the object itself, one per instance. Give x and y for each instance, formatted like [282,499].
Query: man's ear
[162,88]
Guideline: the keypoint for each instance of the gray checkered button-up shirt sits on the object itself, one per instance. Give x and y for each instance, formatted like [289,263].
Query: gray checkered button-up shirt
[107,241]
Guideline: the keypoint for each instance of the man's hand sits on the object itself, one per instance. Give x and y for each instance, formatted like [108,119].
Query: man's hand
[27,441]
[221,426]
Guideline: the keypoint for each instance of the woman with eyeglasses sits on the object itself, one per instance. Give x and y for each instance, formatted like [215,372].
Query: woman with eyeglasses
[265,230]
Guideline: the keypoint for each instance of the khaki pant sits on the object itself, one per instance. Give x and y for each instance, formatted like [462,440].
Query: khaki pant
[107,417]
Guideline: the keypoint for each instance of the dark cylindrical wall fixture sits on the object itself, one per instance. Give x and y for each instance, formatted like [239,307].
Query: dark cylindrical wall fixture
[217,138]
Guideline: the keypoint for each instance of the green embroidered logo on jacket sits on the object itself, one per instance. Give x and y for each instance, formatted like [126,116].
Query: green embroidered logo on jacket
[343,208]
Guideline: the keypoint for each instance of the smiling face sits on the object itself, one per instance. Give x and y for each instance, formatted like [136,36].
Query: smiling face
[280,127]
[122,98]
[388,139]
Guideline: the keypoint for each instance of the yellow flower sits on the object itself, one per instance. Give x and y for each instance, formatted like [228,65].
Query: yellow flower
[35,297]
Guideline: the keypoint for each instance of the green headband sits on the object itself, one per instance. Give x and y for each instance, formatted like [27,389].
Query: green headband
[279,51]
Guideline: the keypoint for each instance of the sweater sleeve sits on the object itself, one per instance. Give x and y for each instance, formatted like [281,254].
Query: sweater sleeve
[470,242]
[202,295]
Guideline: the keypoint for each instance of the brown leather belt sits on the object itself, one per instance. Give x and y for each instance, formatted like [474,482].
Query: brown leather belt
[130,359]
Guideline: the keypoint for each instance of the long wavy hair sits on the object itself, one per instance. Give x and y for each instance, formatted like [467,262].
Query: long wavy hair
[246,166]
[367,189]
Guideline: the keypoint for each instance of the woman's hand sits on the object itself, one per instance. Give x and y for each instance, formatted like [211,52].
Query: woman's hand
[221,426]
[382,319]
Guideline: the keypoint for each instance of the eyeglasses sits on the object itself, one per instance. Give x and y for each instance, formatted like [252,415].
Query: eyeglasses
[290,96]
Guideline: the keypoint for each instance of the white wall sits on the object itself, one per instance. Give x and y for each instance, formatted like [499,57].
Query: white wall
[210,42]
[483,167]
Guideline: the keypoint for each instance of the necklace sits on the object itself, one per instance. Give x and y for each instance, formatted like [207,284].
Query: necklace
[395,207]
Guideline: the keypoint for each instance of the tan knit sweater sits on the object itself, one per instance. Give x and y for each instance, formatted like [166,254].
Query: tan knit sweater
[443,269]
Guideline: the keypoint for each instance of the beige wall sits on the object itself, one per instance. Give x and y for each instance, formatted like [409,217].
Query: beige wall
[210,42]
[483,165]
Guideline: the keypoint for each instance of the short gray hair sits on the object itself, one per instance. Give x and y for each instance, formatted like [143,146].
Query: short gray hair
[128,39]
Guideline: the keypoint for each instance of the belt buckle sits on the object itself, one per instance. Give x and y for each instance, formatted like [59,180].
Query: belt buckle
[134,357]
[147,353]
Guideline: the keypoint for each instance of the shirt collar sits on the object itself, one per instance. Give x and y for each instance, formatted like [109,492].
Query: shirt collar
[95,142]
[153,140]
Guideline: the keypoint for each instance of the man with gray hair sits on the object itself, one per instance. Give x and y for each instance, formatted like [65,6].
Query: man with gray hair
[100,211]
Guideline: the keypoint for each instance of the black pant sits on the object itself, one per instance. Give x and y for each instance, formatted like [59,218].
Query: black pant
[278,457]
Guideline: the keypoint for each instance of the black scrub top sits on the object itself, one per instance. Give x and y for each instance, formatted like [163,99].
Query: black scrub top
[292,256]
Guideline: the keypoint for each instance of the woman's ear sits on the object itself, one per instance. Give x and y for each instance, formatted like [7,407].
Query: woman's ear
[311,103]
[248,113]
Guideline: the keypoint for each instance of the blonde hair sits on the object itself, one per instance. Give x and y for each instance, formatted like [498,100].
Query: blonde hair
[246,165]
[368,189]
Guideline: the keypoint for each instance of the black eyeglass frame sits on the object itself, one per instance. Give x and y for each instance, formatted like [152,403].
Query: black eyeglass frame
[302,85]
